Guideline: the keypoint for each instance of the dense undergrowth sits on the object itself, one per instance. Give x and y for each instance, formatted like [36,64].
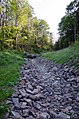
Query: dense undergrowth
[10,63]
[70,54]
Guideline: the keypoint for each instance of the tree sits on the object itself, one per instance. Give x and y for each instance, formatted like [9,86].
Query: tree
[66,29]
[73,9]
[19,29]
[69,25]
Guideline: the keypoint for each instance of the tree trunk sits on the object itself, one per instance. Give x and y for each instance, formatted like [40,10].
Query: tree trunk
[75,28]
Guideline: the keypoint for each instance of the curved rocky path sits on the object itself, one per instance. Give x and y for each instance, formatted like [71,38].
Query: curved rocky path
[45,91]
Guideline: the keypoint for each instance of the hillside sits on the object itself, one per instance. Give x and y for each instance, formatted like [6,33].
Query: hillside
[45,91]
[10,62]
[68,55]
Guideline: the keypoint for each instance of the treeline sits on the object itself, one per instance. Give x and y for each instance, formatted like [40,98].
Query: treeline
[69,26]
[20,29]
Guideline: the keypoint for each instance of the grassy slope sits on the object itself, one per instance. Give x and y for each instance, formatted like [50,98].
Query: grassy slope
[70,54]
[10,62]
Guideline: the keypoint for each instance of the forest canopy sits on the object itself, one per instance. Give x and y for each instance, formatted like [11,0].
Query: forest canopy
[21,29]
[69,26]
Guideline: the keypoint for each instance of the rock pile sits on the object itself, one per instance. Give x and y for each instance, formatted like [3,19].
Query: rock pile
[45,91]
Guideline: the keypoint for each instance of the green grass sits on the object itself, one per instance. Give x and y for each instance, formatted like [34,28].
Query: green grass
[70,54]
[10,63]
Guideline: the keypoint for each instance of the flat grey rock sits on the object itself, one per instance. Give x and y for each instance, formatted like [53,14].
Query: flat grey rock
[63,116]
[44,115]
[77,99]
[16,102]
[22,92]
[16,115]
[25,112]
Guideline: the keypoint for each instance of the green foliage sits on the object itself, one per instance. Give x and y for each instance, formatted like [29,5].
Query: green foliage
[69,25]
[10,62]
[3,110]
[70,54]
[20,30]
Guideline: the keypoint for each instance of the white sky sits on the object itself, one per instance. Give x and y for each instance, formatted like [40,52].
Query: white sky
[50,10]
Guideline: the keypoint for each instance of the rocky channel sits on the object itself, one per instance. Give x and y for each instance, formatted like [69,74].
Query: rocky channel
[45,91]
